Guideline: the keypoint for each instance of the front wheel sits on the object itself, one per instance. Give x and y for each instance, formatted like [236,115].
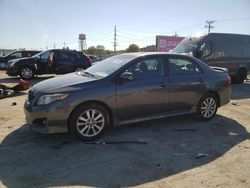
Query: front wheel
[88,121]
[26,73]
[207,107]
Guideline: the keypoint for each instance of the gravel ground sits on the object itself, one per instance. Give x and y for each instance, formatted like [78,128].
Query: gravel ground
[167,160]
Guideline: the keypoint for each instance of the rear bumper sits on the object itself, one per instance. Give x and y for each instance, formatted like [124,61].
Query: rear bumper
[225,95]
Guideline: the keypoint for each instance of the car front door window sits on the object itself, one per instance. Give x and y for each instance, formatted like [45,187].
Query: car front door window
[147,69]
[45,56]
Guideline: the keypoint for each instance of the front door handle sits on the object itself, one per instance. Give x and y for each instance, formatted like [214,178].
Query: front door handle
[162,85]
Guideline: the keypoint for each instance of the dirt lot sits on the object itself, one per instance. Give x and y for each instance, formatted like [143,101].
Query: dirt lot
[167,160]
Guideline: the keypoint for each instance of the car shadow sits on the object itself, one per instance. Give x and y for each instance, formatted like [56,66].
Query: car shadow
[170,146]
[241,91]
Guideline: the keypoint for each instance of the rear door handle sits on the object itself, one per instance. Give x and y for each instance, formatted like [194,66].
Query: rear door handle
[201,80]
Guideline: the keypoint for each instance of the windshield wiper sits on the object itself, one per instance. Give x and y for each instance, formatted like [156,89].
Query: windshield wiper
[89,74]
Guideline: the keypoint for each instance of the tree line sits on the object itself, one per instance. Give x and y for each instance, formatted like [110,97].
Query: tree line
[101,50]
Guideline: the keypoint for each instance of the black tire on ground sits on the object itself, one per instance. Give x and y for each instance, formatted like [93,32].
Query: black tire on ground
[207,107]
[241,76]
[88,121]
[26,72]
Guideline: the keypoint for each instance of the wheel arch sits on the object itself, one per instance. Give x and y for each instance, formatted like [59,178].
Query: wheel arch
[215,93]
[26,65]
[110,113]
[242,68]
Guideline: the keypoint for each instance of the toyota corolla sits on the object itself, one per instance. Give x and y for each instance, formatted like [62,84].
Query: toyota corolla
[124,89]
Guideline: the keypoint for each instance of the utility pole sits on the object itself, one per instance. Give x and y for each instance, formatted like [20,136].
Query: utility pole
[115,42]
[64,45]
[209,26]
[54,46]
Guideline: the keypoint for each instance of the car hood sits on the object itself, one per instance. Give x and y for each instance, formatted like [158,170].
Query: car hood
[68,82]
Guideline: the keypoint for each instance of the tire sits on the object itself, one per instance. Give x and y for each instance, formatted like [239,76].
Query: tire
[241,76]
[207,107]
[26,73]
[88,122]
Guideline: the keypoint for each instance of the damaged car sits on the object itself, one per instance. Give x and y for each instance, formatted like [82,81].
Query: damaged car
[126,88]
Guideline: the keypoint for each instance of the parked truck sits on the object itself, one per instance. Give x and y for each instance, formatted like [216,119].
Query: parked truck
[231,51]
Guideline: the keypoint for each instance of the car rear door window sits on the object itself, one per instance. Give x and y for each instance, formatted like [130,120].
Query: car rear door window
[180,66]
[62,55]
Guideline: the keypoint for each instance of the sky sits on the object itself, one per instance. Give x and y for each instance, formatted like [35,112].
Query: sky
[45,24]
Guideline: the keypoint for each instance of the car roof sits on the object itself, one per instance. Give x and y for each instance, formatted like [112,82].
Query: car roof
[140,54]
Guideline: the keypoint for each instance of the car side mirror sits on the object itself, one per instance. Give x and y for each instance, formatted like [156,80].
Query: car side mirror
[127,76]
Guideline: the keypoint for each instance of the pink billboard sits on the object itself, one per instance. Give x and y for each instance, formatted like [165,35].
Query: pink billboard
[166,43]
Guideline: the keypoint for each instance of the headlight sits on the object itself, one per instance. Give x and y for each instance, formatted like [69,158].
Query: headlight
[12,62]
[47,99]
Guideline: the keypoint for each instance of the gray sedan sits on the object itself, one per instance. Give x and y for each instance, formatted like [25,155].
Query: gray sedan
[124,89]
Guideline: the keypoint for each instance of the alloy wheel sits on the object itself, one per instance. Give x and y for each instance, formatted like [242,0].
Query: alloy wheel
[208,107]
[26,73]
[90,123]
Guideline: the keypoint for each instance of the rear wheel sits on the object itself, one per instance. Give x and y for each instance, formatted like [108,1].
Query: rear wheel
[26,73]
[88,121]
[241,76]
[207,107]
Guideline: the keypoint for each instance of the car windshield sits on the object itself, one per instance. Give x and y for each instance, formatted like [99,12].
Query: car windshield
[9,54]
[108,66]
[187,45]
[41,53]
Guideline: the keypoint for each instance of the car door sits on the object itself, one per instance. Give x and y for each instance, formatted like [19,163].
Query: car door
[187,83]
[63,63]
[75,60]
[41,62]
[147,94]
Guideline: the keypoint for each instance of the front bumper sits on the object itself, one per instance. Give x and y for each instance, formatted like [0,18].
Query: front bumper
[47,119]
[11,71]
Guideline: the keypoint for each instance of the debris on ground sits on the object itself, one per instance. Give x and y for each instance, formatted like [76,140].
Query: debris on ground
[184,129]
[14,104]
[115,142]
[179,154]
[199,155]
[235,103]
[6,91]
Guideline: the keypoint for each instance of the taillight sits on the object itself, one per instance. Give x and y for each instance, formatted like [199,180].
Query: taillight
[89,61]
[229,80]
